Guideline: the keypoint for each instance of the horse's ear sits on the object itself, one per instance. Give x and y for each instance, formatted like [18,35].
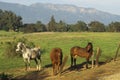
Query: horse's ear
[38,47]
[22,43]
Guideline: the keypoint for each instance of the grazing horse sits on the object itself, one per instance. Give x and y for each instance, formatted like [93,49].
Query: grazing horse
[56,59]
[81,52]
[29,54]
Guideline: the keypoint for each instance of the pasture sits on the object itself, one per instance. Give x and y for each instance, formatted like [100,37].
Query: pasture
[108,42]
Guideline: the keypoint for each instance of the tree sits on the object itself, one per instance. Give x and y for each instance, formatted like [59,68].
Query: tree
[96,26]
[61,26]
[52,24]
[9,20]
[79,26]
[114,27]
[82,26]
[28,28]
[40,27]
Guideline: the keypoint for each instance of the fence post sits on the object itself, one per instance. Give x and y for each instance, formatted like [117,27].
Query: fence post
[63,64]
[97,56]
[93,60]
[117,52]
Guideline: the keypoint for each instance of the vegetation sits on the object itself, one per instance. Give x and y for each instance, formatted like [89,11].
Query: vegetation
[10,21]
[78,34]
[10,47]
[114,27]
[96,26]
[108,42]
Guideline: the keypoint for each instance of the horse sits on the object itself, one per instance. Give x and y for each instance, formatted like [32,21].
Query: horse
[29,54]
[81,52]
[56,56]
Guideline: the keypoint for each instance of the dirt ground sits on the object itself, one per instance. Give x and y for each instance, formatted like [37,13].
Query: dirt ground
[106,71]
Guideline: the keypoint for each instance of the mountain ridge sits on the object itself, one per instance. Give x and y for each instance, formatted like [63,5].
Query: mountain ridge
[67,13]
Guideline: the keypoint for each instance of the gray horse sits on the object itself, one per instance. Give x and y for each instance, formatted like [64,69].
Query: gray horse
[29,54]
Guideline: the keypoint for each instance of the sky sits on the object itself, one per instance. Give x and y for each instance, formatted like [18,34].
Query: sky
[111,6]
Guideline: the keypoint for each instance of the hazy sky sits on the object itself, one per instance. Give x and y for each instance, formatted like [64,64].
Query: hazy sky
[112,6]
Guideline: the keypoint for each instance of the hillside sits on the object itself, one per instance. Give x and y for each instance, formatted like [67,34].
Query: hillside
[67,13]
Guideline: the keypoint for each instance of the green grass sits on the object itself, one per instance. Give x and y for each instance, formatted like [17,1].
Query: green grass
[108,42]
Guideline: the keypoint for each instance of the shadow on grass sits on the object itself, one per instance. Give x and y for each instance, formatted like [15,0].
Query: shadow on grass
[33,75]
[78,67]
[4,76]
[48,65]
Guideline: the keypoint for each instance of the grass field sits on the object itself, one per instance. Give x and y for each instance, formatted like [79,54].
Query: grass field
[108,42]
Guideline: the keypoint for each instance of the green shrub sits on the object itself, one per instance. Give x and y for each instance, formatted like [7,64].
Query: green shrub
[9,50]
[25,41]
[10,47]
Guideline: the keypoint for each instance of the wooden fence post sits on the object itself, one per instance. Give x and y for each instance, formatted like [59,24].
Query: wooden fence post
[93,60]
[117,52]
[63,64]
[97,56]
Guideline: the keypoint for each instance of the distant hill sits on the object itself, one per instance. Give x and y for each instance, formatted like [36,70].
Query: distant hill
[67,13]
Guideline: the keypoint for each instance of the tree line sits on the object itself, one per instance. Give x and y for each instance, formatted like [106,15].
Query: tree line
[10,21]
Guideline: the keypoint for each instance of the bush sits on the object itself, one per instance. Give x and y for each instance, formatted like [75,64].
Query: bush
[10,47]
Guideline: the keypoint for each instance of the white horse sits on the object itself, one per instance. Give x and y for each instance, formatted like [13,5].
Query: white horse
[29,54]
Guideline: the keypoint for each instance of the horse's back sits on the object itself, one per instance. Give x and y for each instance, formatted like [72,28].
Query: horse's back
[79,51]
[56,55]
[35,53]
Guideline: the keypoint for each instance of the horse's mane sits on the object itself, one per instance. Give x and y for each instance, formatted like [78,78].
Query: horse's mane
[89,47]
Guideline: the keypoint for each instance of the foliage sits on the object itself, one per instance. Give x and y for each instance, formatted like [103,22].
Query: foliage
[25,41]
[9,50]
[114,27]
[9,21]
[96,26]
[61,26]
[52,24]
[29,28]
[40,27]
[107,41]
[80,26]
[10,47]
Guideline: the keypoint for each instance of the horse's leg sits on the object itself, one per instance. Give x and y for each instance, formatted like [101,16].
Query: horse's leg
[54,69]
[71,60]
[36,63]
[87,61]
[25,61]
[28,60]
[57,68]
[39,63]
[75,62]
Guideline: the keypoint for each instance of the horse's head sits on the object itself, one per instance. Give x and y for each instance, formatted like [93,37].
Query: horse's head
[89,47]
[19,46]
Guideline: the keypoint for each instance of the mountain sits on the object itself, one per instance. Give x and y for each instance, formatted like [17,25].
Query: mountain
[67,13]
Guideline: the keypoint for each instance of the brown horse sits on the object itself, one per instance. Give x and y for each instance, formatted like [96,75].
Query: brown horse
[56,59]
[81,52]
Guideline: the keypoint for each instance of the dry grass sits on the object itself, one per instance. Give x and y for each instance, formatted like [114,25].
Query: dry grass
[108,71]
